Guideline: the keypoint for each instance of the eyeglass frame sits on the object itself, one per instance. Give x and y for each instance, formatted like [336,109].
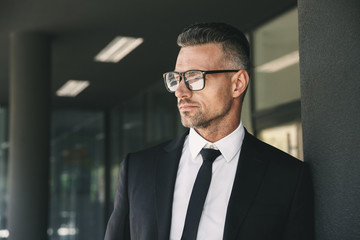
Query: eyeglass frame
[182,76]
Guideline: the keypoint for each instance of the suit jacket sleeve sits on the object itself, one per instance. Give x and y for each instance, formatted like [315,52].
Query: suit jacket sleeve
[118,225]
[300,224]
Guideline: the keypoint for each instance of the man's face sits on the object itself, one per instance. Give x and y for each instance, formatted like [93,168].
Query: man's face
[200,109]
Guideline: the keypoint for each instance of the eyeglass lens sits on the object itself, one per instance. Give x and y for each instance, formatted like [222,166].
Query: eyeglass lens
[194,80]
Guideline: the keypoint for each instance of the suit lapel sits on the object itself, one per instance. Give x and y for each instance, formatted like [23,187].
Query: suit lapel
[249,175]
[166,171]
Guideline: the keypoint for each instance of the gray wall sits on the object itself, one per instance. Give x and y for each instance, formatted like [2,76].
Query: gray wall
[329,34]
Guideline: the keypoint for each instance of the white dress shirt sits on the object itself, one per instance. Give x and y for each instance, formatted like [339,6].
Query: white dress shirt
[211,226]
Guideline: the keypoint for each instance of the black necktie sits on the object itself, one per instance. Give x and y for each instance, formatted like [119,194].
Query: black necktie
[198,194]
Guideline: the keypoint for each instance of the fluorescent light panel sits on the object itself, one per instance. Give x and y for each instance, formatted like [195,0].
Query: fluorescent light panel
[72,88]
[118,48]
[279,63]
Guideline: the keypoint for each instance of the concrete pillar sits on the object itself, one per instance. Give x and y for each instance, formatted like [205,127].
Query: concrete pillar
[29,136]
[329,34]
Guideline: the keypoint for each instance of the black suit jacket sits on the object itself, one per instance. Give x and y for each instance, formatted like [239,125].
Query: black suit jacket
[271,198]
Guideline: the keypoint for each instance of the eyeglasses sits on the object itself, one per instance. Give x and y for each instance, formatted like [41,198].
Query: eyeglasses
[194,79]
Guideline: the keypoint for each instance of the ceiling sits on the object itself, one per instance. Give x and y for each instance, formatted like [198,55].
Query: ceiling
[80,29]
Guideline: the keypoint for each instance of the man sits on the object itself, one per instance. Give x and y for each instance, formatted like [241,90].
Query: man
[251,191]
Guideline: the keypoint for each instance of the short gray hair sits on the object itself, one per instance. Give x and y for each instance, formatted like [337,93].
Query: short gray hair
[234,43]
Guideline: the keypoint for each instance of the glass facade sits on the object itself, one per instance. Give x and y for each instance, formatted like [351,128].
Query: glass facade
[276,62]
[87,147]
[77,182]
[287,137]
[4,149]
[276,101]
[148,118]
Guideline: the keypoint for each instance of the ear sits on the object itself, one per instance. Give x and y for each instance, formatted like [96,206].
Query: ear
[240,81]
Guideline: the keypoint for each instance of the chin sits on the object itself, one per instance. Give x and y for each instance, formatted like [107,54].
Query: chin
[187,122]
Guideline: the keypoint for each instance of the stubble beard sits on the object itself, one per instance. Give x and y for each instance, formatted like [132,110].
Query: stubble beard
[200,120]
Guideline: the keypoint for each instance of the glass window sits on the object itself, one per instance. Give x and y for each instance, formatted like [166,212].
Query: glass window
[133,116]
[127,135]
[277,83]
[146,119]
[287,137]
[161,115]
[77,181]
[276,61]
[4,149]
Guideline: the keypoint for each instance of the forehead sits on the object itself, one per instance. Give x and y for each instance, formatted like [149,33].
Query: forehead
[202,57]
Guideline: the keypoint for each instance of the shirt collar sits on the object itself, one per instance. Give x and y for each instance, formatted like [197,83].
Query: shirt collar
[228,146]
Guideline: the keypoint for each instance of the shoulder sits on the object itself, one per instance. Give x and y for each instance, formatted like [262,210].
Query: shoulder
[141,165]
[282,169]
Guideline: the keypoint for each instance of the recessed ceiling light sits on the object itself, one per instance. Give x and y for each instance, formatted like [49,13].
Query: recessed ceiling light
[279,63]
[72,88]
[118,49]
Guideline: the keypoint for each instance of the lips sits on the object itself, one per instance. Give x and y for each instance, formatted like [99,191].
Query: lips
[185,105]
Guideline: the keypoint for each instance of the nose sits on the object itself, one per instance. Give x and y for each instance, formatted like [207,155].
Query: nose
[182,91]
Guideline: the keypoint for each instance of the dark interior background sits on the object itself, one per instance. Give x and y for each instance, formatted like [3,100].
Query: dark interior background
[80,29]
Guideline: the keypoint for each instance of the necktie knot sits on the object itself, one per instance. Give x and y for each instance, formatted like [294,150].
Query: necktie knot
[209,155]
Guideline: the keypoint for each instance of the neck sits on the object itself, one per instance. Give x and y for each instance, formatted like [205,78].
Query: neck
[215,131]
